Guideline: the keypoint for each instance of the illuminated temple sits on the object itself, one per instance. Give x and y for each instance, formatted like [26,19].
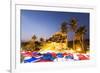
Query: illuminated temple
[56,43]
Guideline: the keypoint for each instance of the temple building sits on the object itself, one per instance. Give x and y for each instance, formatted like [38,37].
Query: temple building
[56,43]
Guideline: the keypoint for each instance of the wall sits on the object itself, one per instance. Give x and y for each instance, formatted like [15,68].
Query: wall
[5,35]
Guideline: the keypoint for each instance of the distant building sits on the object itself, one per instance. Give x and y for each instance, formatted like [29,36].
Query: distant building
[56,43]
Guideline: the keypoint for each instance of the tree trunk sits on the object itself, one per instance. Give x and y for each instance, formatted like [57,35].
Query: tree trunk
[67,41]
[74,43]
[83,43]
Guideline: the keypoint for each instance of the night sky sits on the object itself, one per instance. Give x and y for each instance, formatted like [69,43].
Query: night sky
[46,23]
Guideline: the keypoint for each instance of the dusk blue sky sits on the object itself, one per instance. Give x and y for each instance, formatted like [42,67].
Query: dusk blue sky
[46,23]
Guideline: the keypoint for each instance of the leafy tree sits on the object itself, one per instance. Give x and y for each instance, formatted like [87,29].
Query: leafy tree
[34,37]
[81,31]
[73,24]
[64,28]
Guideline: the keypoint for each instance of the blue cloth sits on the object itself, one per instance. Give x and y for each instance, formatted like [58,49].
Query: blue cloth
[33,59]
[69,57]
[48,56]
[60,55]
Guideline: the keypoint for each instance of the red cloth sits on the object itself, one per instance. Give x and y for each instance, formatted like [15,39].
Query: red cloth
[83,57]
[53,54]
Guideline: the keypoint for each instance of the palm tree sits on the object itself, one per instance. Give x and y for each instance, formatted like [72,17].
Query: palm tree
[64,29]
[80,34]
[73,24]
